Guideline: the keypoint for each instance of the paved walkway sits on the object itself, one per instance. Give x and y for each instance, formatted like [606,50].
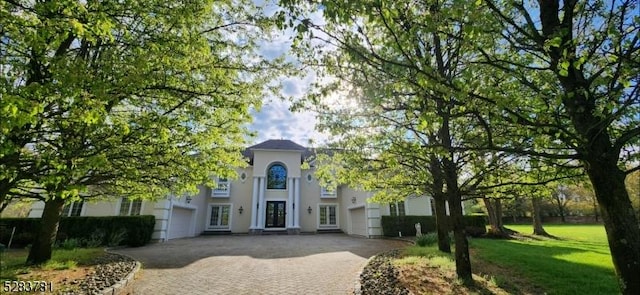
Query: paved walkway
[303,264]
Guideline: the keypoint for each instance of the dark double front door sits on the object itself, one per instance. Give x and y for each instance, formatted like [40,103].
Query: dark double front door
[276,213]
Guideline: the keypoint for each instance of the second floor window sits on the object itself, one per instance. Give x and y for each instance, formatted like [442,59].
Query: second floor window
[277,177]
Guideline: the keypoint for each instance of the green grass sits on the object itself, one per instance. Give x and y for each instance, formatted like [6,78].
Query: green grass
[12,263]
[578,261]
[429,255]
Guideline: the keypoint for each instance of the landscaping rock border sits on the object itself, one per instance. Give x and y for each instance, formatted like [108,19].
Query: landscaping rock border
[379,276]
[113,272]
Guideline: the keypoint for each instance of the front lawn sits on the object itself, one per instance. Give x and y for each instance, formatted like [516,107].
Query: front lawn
[64,267]
[577,261]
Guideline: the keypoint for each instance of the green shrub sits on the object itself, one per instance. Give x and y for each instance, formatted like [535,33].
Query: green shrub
[427,239]
[70,244]
[95,240]
[90,230]
[392,225]
[116,237]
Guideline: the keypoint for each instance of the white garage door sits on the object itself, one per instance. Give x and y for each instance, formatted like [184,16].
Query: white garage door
[180,226]
[358,222]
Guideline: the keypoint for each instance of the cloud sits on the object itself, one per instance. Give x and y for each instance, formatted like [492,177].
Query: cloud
[275,121]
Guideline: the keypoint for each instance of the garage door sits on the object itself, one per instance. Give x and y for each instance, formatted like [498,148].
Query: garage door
[180,226]
[358,222]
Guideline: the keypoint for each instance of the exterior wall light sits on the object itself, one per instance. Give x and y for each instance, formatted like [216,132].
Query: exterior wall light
[189,199]
[309,209]
[353,200]
[240,210]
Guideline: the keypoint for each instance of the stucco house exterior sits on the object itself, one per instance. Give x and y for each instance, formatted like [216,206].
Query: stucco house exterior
[273,194]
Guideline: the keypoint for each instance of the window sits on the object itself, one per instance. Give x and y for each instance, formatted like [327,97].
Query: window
[130,208]
[219,216]
[328,216]
[222,189]
[327,192]
[72,209]
[277,177]
[397,209]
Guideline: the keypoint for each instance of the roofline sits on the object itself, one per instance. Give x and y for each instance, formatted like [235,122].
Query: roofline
[298,150]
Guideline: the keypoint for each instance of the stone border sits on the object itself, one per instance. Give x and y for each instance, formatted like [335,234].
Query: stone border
[357,288]
[116,288]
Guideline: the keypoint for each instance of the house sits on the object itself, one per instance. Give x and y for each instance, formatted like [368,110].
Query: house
[273,194]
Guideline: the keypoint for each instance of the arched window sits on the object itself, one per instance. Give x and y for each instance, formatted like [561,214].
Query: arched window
[277,177]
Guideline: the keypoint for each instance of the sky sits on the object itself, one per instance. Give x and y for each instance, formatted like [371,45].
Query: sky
[274,120]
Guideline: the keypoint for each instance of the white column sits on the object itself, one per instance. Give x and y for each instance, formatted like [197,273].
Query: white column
[296,194]
[261,208]
[254,203]
[290,202]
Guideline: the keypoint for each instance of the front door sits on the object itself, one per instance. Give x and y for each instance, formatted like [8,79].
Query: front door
[275,214]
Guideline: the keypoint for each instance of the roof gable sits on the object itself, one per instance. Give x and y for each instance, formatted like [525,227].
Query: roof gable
[278,144]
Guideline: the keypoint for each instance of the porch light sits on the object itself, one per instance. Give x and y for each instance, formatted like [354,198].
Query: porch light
[189,199]
[309,209]
[240,210]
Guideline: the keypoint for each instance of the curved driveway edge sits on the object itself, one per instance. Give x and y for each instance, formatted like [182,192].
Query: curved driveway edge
[300,264]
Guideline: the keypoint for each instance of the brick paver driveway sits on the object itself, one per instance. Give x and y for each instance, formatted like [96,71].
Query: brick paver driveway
[302,264]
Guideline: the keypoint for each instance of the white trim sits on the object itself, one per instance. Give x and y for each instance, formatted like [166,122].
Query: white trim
[356,207]
[208,221]
[290,211]
[296,197]
[328,226]
[254,203]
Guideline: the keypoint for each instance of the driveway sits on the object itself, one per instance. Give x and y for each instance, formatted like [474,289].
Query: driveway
[270,264]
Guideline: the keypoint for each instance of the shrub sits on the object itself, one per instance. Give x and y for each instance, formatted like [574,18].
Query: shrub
[392,225]
[70,244]
[116,237]
[95,240]
[427,239]
[90,230]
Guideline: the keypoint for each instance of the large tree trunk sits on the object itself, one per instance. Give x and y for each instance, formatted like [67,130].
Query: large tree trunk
[4,191]
[42,245]
[442,225]
[494,210]
[439,197]
[494,228]
[620,222]
[463,260]
[599,150]
[537,218]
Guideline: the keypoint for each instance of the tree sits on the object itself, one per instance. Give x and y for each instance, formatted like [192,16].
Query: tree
[390,59]
[561,200]
[137,99]
[577,64]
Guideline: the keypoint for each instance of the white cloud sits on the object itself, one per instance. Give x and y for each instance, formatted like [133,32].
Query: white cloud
[275,121]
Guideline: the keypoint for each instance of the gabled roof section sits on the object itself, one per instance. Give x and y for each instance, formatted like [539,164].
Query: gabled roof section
[278,144]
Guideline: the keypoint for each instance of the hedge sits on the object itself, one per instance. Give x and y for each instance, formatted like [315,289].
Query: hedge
[392,225]
[133,231]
